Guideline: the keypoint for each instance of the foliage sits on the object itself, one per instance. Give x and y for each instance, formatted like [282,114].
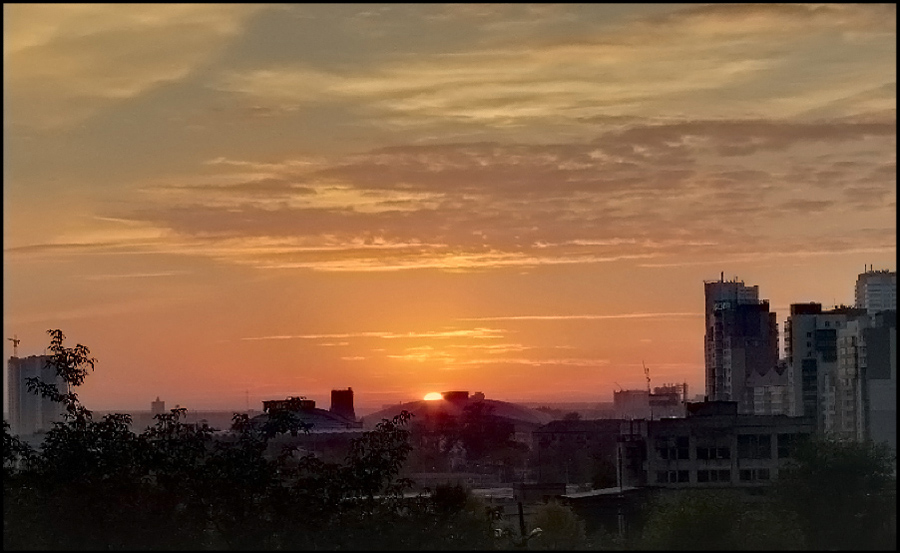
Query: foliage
[98,485]
[844,494]
[717,519]
[560,528]
[604,473]
[477,435]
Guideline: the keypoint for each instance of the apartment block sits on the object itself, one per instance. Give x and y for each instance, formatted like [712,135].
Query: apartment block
[741,340]
[877,291]
[28,412]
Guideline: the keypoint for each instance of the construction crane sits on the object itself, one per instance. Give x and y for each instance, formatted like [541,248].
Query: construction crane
[15,340]
[649,400]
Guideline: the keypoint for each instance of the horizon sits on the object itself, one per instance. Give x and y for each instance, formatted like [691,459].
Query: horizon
[235,202]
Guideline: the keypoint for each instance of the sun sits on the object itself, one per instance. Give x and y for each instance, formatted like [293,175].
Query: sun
[433,396]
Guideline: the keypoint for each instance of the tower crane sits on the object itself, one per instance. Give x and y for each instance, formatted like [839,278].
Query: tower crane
[15,340]
[649,401]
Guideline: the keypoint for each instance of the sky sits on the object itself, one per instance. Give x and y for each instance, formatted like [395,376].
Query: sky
[236,202]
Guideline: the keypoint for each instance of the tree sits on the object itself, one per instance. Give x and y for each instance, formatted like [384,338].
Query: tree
[717,519]
[844,494]
[560,528]
[98,485]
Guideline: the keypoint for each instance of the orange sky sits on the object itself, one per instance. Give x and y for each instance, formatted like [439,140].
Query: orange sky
[226,201]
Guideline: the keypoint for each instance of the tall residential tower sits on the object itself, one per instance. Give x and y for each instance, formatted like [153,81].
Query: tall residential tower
[28,412]
[741,339]
[876,290]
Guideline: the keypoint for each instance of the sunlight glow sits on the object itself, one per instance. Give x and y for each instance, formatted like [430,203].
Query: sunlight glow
[433,396]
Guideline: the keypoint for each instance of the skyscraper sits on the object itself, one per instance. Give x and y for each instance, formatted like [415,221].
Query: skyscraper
[876,291]
[741,338]
[28,412]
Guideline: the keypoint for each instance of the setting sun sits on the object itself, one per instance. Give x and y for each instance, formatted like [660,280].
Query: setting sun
[432,396]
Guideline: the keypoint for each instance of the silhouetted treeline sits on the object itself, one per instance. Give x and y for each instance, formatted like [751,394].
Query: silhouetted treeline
[96,484]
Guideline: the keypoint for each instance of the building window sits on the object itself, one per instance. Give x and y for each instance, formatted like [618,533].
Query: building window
[662,476]
[706,453]
[723,475]
[754,446]
[684,476]
[754,475]
[681,444]
[787,444]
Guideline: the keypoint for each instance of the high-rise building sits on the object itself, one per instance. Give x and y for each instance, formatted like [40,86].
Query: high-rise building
[811,354]
[741,339]
[342,403]
[157,407]
[876,290]
[28,412]
[863,398]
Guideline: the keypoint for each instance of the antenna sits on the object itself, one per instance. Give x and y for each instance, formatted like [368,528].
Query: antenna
[15,340]
[619,385]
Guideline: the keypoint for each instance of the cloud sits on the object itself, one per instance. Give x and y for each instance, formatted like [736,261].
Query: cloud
[566,362]
[658,316]
[135,275]
[62,63]
[648,193]
[475,333]
[736,54]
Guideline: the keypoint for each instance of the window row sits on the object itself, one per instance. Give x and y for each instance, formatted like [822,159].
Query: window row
[672,476]
[705,453]
[705,476]
[723,475]
[750,446]
[753,475]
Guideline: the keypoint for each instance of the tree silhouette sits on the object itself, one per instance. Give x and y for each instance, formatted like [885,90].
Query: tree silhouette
[844,493]
[98,485]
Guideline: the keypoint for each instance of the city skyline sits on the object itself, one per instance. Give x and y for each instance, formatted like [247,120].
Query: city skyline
[225,201]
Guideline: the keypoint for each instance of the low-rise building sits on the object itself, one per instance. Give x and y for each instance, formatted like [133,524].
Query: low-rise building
[716,446]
